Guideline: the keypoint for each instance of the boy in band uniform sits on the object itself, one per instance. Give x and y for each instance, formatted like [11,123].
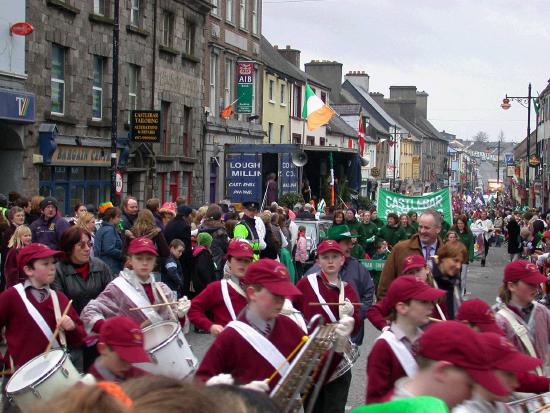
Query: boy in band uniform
[251,348]
[135,288]
[120,345]
[224,299]
[327,286]
[392,356]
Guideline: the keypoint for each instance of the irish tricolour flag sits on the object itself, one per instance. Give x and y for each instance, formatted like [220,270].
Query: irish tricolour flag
[316,112]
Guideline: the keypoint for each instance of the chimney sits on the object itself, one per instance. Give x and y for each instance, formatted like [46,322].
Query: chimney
[422,103]
[292,55]
[378,97]
[329,73]
[405,96]
[358,78]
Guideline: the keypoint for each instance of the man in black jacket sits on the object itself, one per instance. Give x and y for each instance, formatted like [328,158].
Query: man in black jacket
[130,209]
[213,225]
[179,228]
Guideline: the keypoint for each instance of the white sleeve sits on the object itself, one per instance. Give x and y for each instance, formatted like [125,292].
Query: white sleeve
[260,229]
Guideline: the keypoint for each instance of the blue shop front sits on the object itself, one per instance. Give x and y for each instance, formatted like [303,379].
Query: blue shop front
[76,169]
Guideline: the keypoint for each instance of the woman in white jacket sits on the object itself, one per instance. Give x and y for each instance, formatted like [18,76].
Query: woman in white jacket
[485,224]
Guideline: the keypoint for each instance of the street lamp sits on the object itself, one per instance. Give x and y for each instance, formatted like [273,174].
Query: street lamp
[524,101]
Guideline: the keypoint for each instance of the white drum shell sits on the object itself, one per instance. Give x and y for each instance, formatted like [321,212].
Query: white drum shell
[44,380]
[171,354]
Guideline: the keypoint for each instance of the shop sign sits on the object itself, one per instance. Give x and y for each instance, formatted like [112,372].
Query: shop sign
[245,86]
[17,106]
[244,177]
[509,158]
[534,161]
[81,156]
[375,172]
[288,174]
[145,125]
[510,171]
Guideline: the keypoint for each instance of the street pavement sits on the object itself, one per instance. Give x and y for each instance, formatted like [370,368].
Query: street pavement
[483,283]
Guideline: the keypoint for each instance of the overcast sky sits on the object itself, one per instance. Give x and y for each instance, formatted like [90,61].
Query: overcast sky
[465,54]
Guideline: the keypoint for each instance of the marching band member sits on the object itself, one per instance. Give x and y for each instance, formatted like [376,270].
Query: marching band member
[224,299]
[135,288]
[524,322]
[31,311]
[391,356]
[323,287]
[120,344]
[478,315]
[256,345]
[507,363]
[451,358]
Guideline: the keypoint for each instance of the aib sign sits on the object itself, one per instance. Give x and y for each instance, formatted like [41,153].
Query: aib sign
[245,86]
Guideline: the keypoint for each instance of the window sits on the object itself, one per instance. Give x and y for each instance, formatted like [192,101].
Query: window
[134,12]
[214,70]
[229,82]
[297,102]
[165,128]
[283,97]
[271,87]
[167,28]
[189,38]
[296,138]
[99,7]
[324,97]
[186,131]
[322,141]
[229,11]
[215,7]
[282,136]
[133,74]
[255,19]
[243,24]
[97,88]
[310,140]
[58,80]
[269,132]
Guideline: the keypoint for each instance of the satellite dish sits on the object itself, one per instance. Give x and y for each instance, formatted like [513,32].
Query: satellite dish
[299,158]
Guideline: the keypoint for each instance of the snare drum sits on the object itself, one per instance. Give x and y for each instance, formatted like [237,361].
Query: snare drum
[42,378]
[349,357]
[168,348]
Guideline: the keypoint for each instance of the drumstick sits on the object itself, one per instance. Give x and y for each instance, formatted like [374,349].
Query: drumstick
[56,332]
[153,306]
[314,303]
[292,353]
[6,372]
[540,409]
[435,320]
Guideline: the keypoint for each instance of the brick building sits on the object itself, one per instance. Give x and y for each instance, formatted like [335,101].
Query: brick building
[69,65]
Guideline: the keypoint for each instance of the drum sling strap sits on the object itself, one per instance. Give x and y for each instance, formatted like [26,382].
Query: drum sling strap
[227,298]
[401,351]
[521,332]
[312,278]
[130,291]
[262,345]
[35,314]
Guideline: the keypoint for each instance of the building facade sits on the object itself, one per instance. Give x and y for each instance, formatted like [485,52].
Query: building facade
[160,50]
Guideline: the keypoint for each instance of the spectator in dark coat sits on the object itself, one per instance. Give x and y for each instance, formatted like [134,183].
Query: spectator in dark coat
[203,266]
[144,226]
[180,228]
[153,205]
[108,243]
[272,246]
[514,239]
[49,227]
[214,226]
[130,209]
[172,273]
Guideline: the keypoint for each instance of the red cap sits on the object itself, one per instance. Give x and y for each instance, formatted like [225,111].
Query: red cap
[35,251]
[408,287]
[125,338]
[142,245]
[240,249]
[460,345]
[546,235]
[503,355]
[522,270]
[271,275]
[478,312]
[412,262]
[329,245]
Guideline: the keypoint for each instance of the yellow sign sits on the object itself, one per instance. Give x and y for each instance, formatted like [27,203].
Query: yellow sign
[81,156]
[145,125]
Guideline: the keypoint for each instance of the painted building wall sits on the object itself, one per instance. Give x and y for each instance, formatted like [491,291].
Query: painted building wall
[276,109]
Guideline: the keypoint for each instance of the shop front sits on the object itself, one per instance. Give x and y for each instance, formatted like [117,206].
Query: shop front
[77,170]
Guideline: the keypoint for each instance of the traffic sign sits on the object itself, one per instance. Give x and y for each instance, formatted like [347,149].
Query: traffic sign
[118,183]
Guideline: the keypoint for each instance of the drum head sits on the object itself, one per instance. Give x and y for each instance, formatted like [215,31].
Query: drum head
[155,335]
[34,370]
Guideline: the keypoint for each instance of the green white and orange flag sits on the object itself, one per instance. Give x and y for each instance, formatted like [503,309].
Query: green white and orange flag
[316,112]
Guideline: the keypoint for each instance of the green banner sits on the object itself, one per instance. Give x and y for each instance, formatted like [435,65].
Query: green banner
[373,265]
[245,86]
[389,201]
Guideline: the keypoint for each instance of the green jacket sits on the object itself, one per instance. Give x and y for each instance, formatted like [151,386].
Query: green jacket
[369,233]
[414,224]
[468,240]
[378,222]
[445,227]
[358,251]
[355,226]
[390,234]
[406,232]
[286,259]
